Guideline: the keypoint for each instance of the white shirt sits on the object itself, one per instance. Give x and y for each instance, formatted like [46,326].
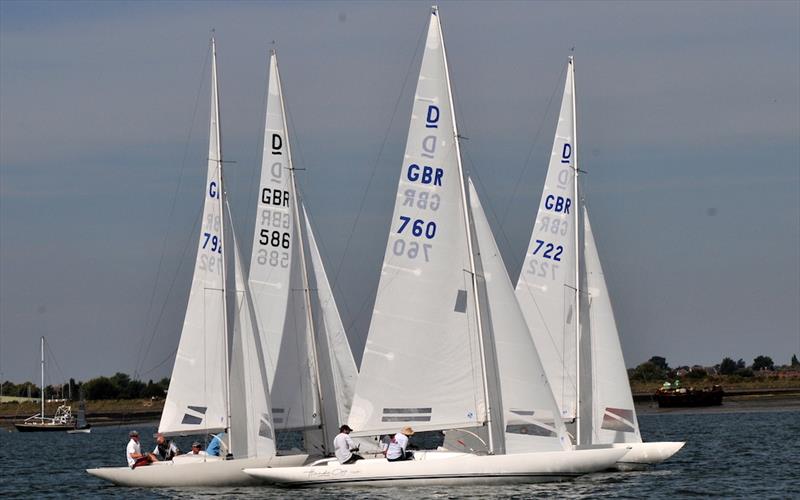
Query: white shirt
[343,444]
[398,446]
[133,447]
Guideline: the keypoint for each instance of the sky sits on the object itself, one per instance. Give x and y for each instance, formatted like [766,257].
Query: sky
[688,130]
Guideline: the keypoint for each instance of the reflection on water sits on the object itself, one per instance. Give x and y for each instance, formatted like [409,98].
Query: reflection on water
[733,455]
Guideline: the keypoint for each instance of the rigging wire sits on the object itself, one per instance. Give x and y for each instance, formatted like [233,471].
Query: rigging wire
[141,357]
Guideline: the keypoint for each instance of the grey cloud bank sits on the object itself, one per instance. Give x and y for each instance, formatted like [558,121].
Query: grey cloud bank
[689,131]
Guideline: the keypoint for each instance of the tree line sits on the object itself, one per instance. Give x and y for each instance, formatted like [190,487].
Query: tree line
[656,368]
[117,386]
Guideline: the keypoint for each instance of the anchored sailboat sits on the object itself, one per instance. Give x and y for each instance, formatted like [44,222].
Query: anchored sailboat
[309,364]
[61,421]
[448,348]
[564,298]
[205,394]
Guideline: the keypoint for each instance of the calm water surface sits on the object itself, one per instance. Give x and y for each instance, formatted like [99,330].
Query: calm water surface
[731,455]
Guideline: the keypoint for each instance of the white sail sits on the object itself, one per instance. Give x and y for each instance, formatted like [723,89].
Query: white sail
[197,397]
[422,360]
[547,283]
[252,433]
[341,373]
[614,416]
[276,284]
[532,421]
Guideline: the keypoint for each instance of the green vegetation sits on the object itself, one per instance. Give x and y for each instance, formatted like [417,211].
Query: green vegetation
[118,386]
[762,374]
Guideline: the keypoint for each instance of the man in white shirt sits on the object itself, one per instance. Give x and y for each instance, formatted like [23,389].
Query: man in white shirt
[133,452]
[344,446]
[397,448]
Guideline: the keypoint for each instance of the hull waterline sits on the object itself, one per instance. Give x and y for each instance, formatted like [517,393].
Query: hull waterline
[189,473]
[447,469]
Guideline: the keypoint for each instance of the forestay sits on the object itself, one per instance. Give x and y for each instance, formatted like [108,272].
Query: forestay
[422,362]
[614,417]
[531,420]
[547,285]
[197,397]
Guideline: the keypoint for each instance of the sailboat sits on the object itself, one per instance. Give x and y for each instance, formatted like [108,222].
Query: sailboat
[61,421]
[206,395]
[563,295]
[448,348]
[309,364]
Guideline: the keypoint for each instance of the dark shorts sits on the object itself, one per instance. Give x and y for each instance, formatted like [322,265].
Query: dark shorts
[141,461]
[353,459]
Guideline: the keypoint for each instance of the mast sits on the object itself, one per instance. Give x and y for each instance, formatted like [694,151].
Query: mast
[218,131]
[42,393]
[577,260]
[303,266]
[470,250]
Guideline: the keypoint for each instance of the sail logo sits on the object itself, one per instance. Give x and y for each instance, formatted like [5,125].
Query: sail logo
[196,416]
[617,419]
[432,118]
[406,414]
[566,153]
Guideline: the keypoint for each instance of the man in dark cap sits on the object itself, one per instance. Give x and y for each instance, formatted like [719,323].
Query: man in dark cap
[344,446]
[133,452]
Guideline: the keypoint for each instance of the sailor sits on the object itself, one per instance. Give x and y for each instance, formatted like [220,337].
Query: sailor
[397,448]
[133,452]
[344,446]
[215,446]
[197,448]
[165,449]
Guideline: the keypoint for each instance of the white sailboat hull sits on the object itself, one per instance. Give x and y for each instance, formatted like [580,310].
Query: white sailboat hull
[188,471]
[640,456]
[446,468]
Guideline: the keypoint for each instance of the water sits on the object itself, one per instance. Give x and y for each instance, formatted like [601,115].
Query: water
[731,455]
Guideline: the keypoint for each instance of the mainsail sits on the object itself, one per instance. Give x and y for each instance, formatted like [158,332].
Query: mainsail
[547,285]
[309,366]
[197,398]
[422,360]
[579,345]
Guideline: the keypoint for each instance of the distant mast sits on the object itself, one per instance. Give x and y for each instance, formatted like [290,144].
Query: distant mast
[41,395]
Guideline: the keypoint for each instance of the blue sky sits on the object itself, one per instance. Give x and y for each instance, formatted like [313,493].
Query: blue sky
[689,129]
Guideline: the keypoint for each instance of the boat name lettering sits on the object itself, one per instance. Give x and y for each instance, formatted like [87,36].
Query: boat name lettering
[275,218]
[411,249]
[276,197]
[540,269]
[273,257]
[277,144]
[428,146]
[422,199]
[429,174]
[432,118]
[566,153]
[274,238]
[555,225]
[557,203]
[418,227]
[549,248]
[208,262]
[212,189]
[216,242]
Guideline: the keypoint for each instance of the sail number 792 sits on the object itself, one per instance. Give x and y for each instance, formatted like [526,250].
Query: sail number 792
[418,227]
[550,251]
